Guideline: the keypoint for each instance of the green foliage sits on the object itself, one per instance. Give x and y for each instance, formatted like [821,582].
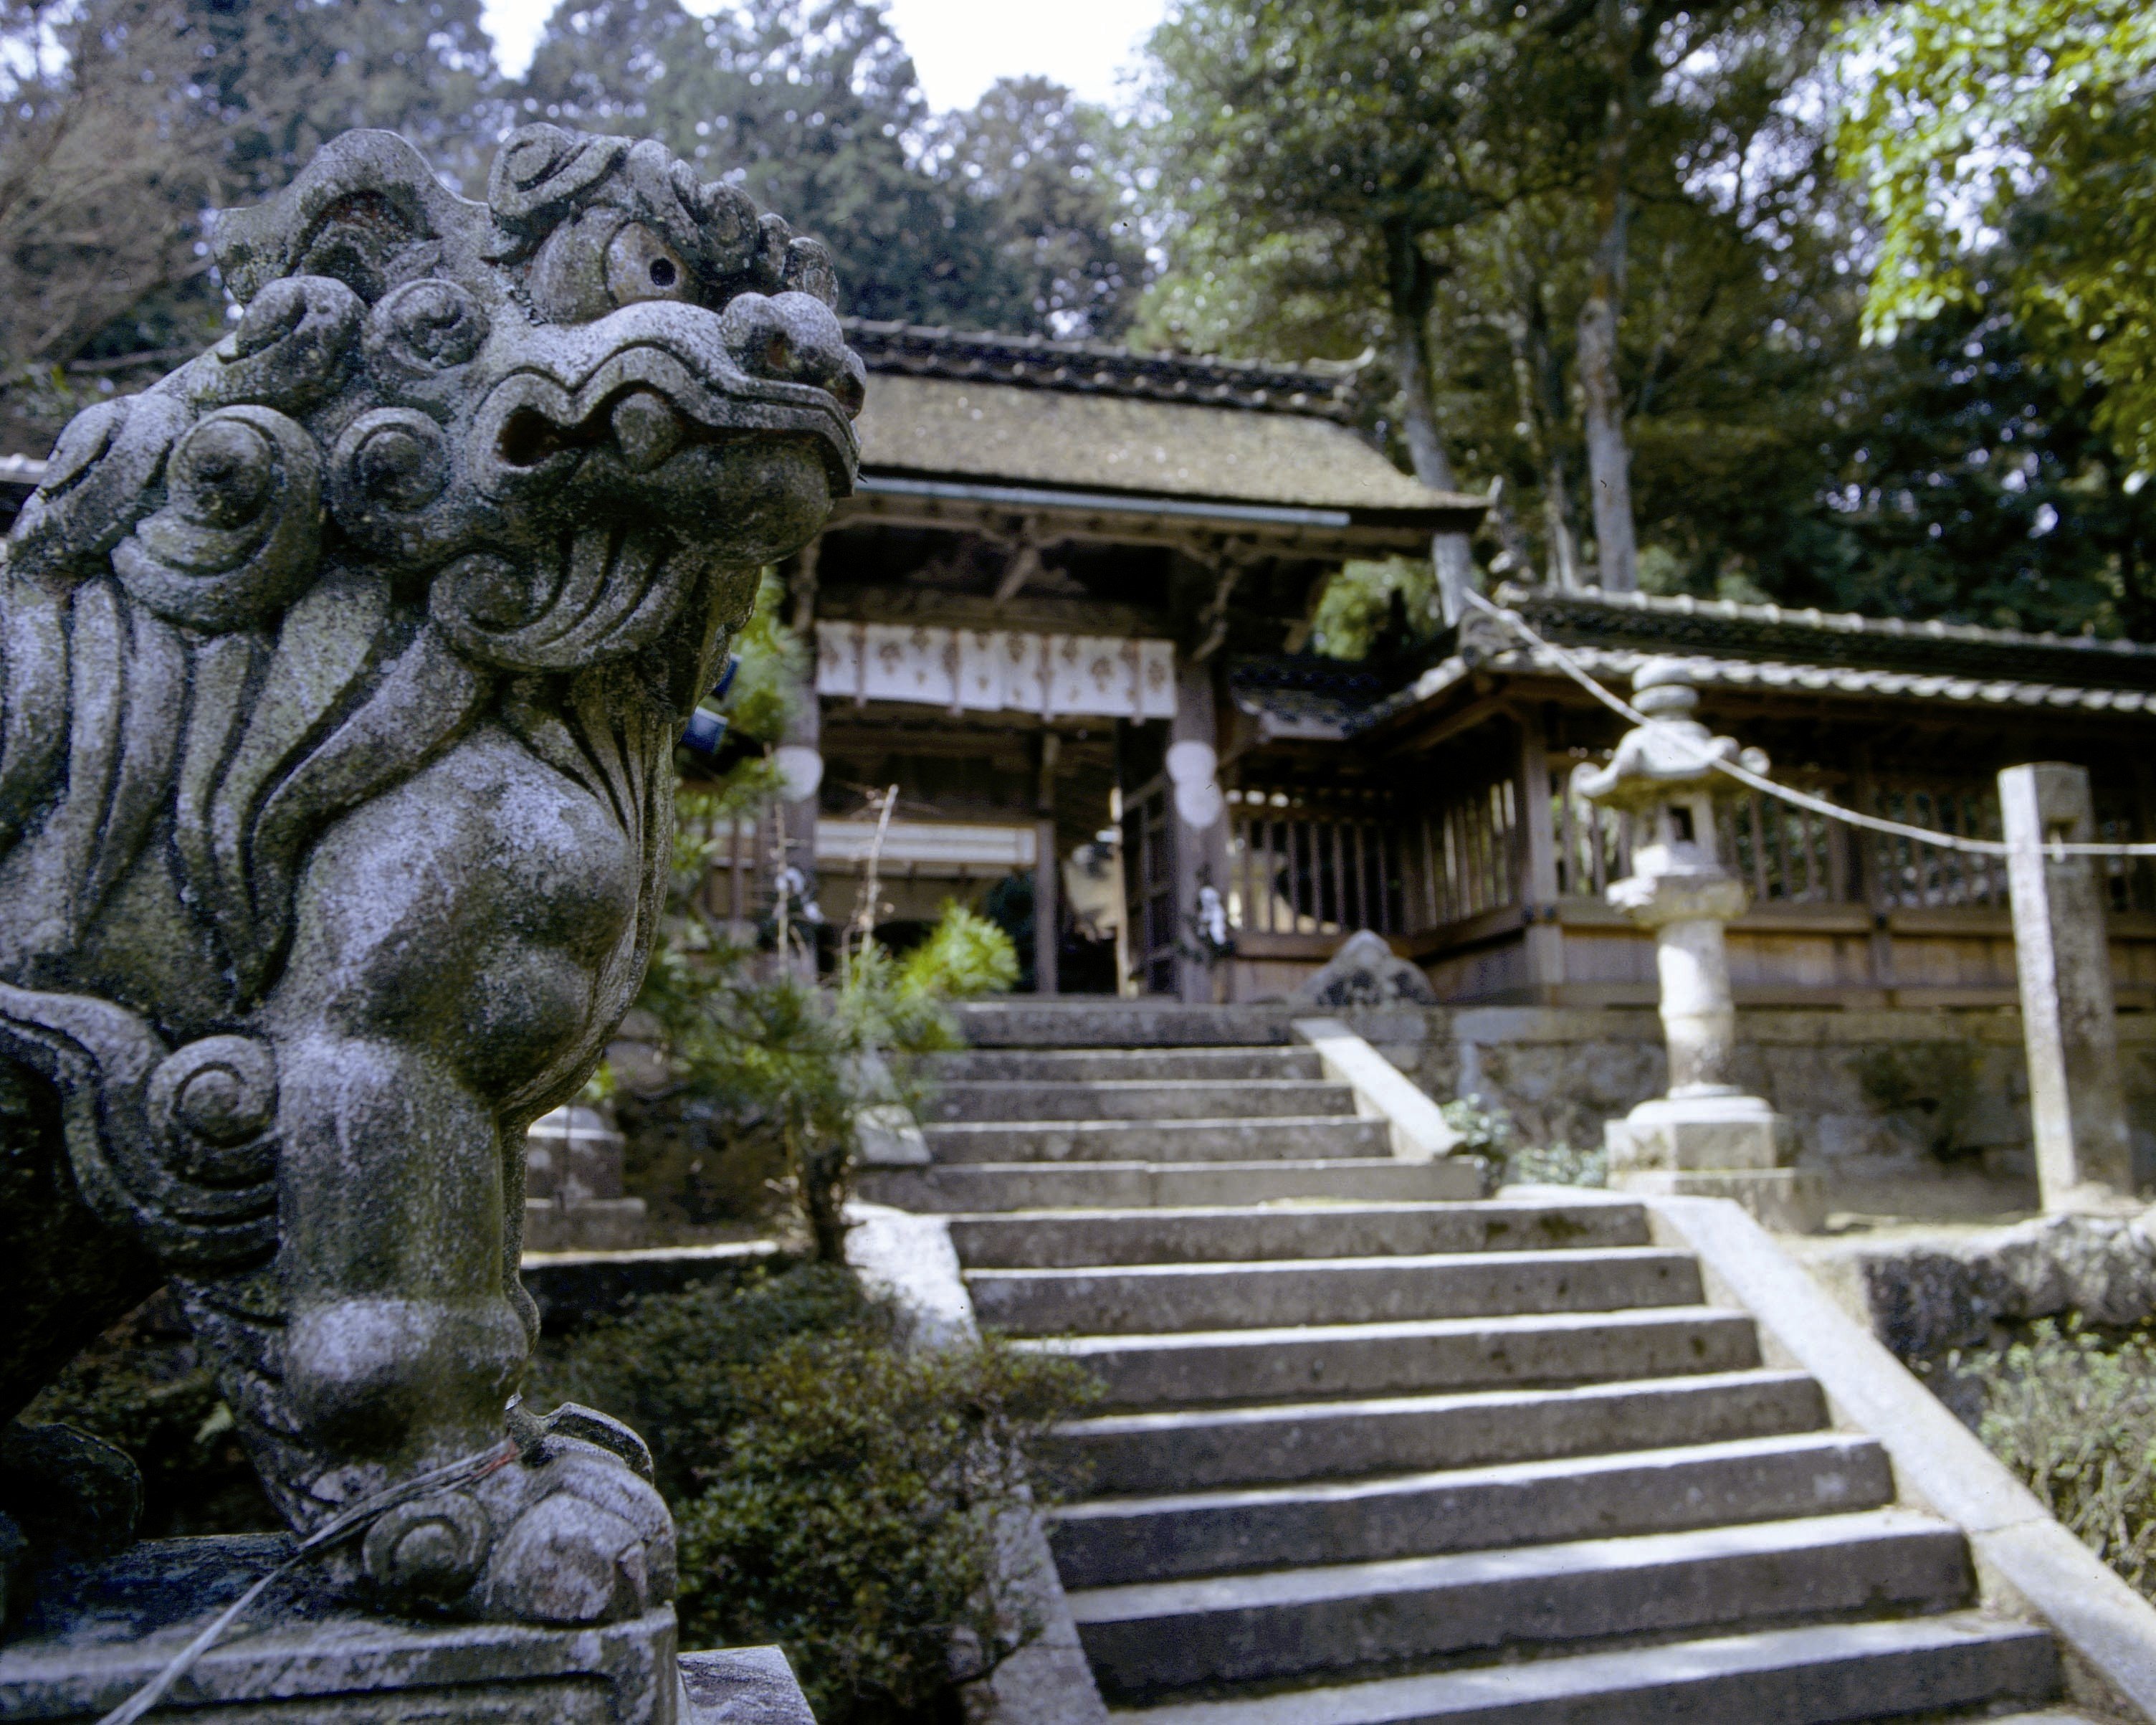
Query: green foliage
[1483,1132]
[1557,1165]
[2011,141]
[1369,603]
[789,1065]
[964,955]
[122,120]
[835,1492]
[998,219]
[2074,1415]
[143,1387]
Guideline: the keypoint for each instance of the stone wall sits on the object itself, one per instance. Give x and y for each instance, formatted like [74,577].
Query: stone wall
[1882,1093]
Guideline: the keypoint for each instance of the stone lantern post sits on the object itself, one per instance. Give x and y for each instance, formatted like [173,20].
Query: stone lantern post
[1706,1137]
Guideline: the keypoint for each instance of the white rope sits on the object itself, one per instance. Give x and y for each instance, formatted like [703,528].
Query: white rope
[1769,787]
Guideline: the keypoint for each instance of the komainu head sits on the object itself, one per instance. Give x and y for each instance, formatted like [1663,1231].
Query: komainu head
[546,416]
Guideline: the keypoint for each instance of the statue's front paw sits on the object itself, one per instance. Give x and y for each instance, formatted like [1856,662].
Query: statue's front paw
[571,1533]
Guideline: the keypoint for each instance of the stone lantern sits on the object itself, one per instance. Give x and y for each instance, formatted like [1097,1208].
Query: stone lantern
[1706,1137]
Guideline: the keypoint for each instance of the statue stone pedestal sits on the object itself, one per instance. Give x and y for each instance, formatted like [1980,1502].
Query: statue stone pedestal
[573,1195]
[1723,1145]
[98,1633]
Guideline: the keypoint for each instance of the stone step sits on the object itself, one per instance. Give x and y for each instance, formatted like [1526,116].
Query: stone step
[1818,1674]
[1051,1239]
[1039,1185]
[1149,1640]
[1218,1367]
[1120,1024]
[1121,1540]
[1299,1137]
[1139,1099]
[1156,1298]
[1095,1065]
[1280,1444]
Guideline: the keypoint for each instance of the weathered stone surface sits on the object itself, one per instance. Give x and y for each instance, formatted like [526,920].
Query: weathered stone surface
[2062,955]
[342,669]
[99,1633]
[742,1686]
[1927,1295]
[573,1195]
[1365,972]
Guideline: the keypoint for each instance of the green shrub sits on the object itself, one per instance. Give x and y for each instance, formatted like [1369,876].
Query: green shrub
[1557,1165]
[2074,1415]
[142,1387]
[1483,1132]
[835,1492]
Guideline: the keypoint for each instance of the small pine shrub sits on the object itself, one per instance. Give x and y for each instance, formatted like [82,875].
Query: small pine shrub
[2074,1415]
[835,1492]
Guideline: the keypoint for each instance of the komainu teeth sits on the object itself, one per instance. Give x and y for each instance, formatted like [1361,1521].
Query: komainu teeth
[646,428]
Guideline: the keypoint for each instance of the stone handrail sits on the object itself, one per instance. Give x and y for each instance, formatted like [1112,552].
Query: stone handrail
[1383,1091]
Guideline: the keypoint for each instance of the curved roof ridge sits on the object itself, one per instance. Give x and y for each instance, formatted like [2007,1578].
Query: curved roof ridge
[1321,388]
[1579,608]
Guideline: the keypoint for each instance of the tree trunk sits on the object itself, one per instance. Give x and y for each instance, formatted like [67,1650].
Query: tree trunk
[1608,462]
[1542,411]
[1412,282]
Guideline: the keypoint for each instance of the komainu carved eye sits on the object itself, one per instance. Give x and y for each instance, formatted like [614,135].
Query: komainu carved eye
[425,328]
[640,265]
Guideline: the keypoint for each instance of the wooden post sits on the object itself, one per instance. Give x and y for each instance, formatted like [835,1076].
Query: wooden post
[804,729]
[1201,854]
[2069,1021]
[1047,913]
[1544,938]
[1870,889]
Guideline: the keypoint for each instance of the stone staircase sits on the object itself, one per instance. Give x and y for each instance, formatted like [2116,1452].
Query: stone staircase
[1375,1449]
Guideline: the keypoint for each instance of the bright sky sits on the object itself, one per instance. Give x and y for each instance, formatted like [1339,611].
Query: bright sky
[959,47]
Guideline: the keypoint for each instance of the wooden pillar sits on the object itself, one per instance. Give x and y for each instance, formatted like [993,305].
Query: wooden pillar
[804,730]
[1536,863]
[1871,888]
[1047,907]
[1201,853]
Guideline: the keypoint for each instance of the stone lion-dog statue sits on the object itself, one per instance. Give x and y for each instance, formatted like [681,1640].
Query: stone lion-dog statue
[340,677]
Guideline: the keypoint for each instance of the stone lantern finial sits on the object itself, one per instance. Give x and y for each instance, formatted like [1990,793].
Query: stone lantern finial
[1706,1137]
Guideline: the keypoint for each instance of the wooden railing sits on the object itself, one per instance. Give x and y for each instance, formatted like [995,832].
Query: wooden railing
[1467,857]
[1303,863]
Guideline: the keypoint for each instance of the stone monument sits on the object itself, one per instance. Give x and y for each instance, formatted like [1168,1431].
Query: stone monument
[574,1201]
[1706,1137]
[341,671]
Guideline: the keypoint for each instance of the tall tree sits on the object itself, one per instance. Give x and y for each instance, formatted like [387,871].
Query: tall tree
[1045,163]
[1357,142]
[2011,145]
[126,121]
[810,105]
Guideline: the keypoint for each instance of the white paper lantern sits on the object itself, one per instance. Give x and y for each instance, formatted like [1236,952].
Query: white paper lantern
[801,767]
[1199,805]
[1191,763]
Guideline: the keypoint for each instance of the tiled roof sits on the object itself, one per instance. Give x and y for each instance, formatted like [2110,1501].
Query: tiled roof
[1614,666]
[1799,639]
[988,432]
[1094,368]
